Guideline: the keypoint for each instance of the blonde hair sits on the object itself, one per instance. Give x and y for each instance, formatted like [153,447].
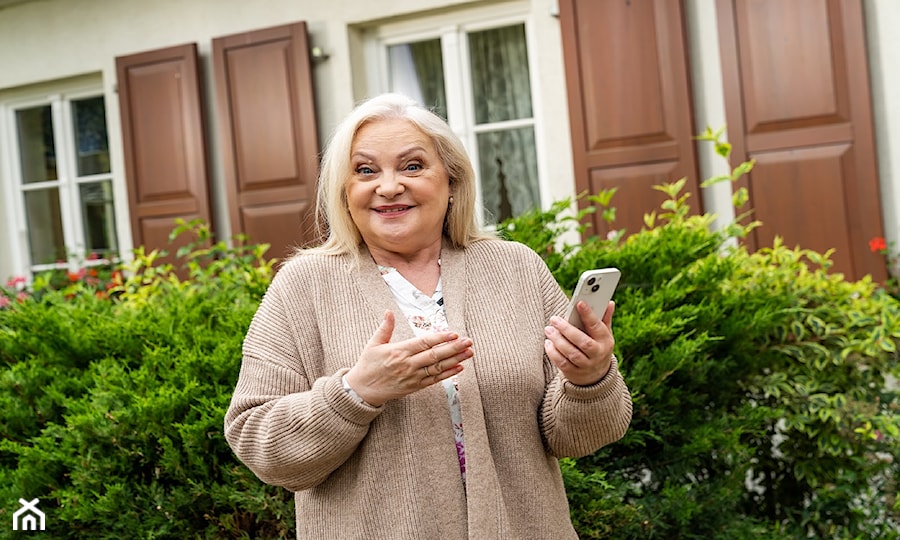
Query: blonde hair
[341,236]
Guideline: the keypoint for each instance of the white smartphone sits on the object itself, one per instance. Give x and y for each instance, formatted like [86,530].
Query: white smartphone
[596,287]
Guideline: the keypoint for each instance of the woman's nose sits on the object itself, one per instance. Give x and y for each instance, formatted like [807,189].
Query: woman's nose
[390,185]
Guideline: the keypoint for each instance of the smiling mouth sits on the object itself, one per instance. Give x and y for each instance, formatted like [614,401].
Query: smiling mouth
[392,209]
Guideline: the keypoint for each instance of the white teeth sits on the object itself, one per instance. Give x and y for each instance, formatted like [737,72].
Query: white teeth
[393,210]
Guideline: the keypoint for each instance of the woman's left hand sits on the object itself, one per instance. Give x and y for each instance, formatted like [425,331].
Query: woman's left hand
[583,357]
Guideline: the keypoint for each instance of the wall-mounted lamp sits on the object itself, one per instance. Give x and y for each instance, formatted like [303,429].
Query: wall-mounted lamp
[318,55]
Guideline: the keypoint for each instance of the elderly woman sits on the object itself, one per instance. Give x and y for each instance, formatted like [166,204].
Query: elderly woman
[411,377]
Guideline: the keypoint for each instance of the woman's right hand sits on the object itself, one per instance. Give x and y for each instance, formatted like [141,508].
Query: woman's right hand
[387,371]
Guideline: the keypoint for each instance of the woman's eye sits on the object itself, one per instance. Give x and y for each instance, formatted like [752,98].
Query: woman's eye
[364,169]
[414,167]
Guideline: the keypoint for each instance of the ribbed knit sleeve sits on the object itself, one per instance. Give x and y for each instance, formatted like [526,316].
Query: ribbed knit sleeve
[579,420]
[288,429]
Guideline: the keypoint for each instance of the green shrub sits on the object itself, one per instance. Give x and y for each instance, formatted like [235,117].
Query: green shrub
[113,409]
[759,381]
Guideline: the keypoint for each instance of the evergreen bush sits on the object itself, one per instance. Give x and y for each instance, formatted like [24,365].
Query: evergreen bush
[113,409]
[763,403]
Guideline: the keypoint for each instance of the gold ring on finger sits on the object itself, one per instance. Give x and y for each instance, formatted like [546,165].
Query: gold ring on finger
[426,371]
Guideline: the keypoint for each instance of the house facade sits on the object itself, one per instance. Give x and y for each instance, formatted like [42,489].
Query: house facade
[118,116]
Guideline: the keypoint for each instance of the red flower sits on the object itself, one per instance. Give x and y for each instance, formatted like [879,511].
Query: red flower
[877,244]
[75,276]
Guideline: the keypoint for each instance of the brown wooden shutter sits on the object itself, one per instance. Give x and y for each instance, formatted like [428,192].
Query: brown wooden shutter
[268,131]
[165,150]
[629,102]
[797,101]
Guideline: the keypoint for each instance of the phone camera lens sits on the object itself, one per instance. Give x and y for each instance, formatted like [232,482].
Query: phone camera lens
[594,288]
[592,281]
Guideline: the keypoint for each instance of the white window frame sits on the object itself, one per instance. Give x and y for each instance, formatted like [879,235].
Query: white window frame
[450,28]
[59,97]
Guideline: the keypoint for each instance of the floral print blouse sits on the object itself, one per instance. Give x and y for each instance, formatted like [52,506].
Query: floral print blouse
[426,315]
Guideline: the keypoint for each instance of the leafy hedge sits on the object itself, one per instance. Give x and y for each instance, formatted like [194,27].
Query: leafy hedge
[765,387]
[762,408]
[113,409]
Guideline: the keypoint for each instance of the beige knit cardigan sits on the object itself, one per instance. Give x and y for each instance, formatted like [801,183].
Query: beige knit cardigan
[392,471]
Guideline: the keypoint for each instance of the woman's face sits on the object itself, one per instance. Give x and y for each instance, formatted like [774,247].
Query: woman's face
[399,189]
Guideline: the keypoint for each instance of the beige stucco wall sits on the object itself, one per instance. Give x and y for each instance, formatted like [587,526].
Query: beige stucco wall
[48,40]
[882,21]
[709,101]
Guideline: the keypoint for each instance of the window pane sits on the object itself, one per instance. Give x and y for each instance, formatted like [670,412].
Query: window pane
[37,153]
[89,121]
[417,70]
[99,218]
[508,167]
[45,232]
[501,88]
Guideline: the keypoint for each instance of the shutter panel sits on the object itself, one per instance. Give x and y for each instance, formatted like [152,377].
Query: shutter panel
[629,102]
[268,131]
[797,101]
[165,150]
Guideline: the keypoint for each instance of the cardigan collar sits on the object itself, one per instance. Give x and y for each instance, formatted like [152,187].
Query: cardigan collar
[377,295]
[482,481]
